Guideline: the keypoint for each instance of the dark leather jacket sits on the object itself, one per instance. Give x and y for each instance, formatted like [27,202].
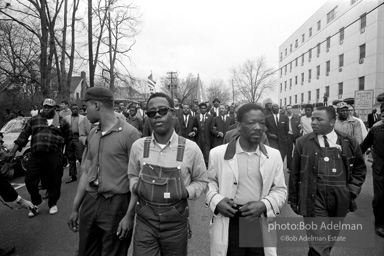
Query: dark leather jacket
[303,178]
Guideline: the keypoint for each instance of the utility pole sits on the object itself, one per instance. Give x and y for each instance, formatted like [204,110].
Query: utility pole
[172,84]
[233,93]
[90,46]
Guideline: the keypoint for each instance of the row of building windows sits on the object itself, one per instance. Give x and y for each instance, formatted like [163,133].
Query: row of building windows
[330,17]
[361,86]
[327,70]
[362,54]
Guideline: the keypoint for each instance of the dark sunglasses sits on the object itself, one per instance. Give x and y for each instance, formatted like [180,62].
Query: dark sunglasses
[161,111]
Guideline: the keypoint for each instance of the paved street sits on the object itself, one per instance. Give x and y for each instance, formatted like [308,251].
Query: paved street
[49,235]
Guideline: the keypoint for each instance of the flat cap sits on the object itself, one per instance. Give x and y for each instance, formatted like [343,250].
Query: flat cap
[342,105]
[98,93]
[49,102]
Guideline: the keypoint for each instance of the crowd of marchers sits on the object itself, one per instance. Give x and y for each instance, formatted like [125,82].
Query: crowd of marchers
[141,163]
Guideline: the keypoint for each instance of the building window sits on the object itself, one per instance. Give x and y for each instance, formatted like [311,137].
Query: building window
[281,72]
[281,87]
[296,60]
[340,90]
[290,100]
[285,70]
[302,59]
[341,34]
[295,80]
[341,61]
[290,48]
[302,97]
[328,67]
[318,25]
[310,32]
[327,91]
[296,99]
[281,102]
[290,84]
[297,43]
[317,72]
[77,95]
[361,83]
[362,53]
[317,95]
[328,43]
[302,38]
[285,101]
[285,85]
[354,1]
[331,15]
[285,51]
[309,96]
[281,56]
[309,75]
[302,78]
[363,22]
[318,49]
[290,66]
[309,55]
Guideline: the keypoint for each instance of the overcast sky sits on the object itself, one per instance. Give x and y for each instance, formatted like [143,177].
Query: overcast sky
[208,37]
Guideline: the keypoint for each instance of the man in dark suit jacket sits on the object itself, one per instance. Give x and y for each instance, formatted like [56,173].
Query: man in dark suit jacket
[204,137]
[215,108]
[373,118]
[220,126]
[188,124]
[293,133]
[277,133]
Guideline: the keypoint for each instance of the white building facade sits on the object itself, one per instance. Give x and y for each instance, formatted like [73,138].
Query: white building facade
[337,51]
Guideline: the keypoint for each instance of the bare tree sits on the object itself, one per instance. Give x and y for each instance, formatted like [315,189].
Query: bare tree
[40,18]
[218,89]
[116,25]
[185,89]
[253,79]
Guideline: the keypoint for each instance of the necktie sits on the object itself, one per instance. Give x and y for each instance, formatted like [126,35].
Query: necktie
[326,144]
[186,120]
[277,120]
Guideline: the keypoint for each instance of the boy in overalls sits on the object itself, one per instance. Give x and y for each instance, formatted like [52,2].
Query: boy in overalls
[164,170]
[327,175]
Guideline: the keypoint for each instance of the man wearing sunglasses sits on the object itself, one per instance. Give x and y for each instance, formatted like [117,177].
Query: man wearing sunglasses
[164,171]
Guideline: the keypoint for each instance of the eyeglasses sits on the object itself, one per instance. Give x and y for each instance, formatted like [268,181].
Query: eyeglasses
[161,111]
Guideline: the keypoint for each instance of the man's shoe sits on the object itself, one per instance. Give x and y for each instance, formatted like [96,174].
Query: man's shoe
[7,251]
[71,179]
[380,231]
[35,210]
[53,210]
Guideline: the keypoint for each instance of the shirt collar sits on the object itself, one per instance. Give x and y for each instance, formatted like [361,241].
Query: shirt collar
[331,136]
[173,141]
[118,127]
[240,150]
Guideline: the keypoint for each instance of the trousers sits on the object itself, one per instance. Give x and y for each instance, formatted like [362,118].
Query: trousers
[99,220]
[46,166]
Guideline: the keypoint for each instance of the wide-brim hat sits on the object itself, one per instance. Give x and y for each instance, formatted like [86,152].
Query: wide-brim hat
[216,99]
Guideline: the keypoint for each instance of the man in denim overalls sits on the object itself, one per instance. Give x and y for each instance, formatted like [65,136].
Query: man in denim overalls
[164,171]
[327,175]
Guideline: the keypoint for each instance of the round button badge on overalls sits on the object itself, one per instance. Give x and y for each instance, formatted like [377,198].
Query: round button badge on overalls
[326,159]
